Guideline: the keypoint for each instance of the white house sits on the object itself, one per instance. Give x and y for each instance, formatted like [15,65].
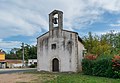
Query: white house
[14,63]
[59,50]
[32,61]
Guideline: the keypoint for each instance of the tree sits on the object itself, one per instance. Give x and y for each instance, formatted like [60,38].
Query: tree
[97,45]
[30,52]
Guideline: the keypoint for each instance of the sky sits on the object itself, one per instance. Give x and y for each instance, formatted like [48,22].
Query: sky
[25,20]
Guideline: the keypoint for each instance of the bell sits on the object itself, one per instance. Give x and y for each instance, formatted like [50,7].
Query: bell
[55,20]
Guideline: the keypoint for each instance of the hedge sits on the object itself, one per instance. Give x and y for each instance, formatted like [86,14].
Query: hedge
[33,66]
[100,67]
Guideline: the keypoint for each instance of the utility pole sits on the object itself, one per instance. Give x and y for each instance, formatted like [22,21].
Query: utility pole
[23,54]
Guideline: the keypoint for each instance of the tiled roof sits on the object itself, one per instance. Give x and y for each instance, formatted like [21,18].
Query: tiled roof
[13,61]
[2,53]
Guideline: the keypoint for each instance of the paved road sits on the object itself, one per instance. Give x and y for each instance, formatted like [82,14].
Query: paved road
[8,71]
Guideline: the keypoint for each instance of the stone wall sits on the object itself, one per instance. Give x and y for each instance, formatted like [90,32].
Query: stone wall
[66,52]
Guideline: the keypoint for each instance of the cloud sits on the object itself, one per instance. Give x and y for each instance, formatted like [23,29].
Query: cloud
[15,20]
[117,24]
[30,17]
[6,45]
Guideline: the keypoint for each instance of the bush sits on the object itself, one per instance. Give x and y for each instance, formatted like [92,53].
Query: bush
[100,67]
[32,66]
[116,65]
[87,66]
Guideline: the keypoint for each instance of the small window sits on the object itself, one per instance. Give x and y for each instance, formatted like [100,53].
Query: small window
[53,46]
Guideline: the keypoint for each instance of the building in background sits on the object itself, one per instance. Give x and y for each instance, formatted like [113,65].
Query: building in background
[2,59]
[32,62]
[2,55]
[9,63]
[14,63]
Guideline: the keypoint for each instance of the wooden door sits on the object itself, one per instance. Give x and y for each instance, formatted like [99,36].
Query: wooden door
[55,65]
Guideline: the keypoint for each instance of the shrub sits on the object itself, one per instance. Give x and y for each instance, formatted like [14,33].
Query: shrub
[100,67]
[32,66]
[87,66]
[116,65]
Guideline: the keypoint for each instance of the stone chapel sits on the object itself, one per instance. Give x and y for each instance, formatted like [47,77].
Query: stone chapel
[59,50]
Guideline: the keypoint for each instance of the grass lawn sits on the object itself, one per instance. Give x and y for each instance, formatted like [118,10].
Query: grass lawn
[78,78]
[70,78]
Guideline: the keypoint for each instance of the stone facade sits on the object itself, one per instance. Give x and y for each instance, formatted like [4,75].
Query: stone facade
[59,50]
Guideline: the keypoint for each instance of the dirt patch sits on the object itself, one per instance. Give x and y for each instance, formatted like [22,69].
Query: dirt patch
[33,77]
[17,77]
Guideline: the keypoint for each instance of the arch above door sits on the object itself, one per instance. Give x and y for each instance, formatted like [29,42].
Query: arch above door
[55,65]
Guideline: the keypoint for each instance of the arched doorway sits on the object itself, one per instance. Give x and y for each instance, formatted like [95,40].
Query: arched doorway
[55,65]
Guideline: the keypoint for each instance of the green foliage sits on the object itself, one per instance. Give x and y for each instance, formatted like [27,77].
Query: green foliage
[100,67]
[116,65]
[79,78]
[33,66]
[87,66]
[47,77]
[106,44]
[30,52]
[11,56]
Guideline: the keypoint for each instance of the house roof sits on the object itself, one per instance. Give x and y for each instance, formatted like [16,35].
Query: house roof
[80,39]
[2,53]
[55,11]
[2,60]
[66,31]
[42,35]
[13,61]
[76,33]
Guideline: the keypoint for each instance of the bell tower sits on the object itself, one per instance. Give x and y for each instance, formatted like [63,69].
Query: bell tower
[55,23]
